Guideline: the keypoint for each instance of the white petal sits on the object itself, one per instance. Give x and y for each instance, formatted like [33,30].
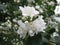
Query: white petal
[28,11]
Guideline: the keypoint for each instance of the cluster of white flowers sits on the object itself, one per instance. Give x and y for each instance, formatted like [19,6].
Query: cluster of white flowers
[30,28]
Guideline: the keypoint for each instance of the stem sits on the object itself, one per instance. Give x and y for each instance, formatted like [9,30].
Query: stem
[25,40]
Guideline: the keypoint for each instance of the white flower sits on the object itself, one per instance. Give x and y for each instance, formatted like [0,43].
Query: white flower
[57,10]
[36,26]
[39,24]
[28,11]
[58,1]
[57,19]
[22,30]
[31,28]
